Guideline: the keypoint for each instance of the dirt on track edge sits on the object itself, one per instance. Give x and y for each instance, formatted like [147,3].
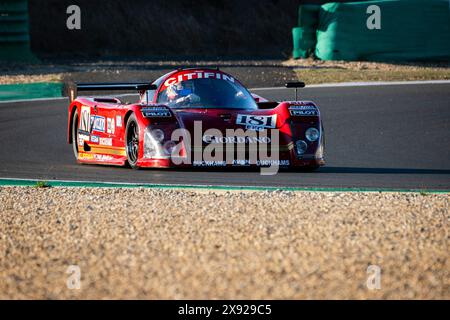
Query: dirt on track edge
[184,244]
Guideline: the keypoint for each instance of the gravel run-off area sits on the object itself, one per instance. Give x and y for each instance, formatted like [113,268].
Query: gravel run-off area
[149,243]
[252,73]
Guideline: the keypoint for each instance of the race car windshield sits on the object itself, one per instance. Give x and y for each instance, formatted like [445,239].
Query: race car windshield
[207,93]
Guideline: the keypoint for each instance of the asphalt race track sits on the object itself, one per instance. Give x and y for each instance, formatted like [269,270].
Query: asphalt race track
[395,136]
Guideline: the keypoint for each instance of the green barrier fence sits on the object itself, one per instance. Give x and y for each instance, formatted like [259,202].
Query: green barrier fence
[30,91]
[304,42]
[410,30]
[305,34]
[14,31]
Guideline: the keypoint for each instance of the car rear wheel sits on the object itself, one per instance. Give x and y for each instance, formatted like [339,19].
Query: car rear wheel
[132,141]
[75,134]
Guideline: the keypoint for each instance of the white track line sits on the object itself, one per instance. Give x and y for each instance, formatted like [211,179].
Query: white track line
[323,85]
[63,98]
[360,84]
[108,184]
[137,184]
[35,99]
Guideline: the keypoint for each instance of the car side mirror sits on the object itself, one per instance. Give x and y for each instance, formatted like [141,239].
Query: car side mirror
[296,85]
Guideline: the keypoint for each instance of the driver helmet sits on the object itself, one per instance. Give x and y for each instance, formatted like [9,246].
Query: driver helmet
[180,89]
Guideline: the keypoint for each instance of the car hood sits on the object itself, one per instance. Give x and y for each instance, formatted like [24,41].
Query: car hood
[220,119]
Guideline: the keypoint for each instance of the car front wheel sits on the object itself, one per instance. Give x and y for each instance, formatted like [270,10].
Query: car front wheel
[75,134]
[132,141]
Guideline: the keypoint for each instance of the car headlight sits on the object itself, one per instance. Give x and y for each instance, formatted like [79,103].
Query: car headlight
[158,135]
[152,145]
[312,134]
[301,147]
[169,147]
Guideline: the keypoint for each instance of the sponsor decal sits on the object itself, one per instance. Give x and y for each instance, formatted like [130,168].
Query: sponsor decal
[98,123]
[303,111]
[103,157]
[108,150]
[241,162]
[82,138]
[96,157]
[85,156]
[159,112]
[238,162]
[235,139]
[85,119]
[256,122]
[207,163]
[196,75]
[119,121]
[94,139]
[110,128]
[271,162]
[105,141]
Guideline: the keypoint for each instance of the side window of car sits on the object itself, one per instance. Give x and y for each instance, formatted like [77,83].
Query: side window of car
[149,95]
[162,97]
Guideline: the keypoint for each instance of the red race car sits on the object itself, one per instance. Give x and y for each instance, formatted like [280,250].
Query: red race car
[194,117]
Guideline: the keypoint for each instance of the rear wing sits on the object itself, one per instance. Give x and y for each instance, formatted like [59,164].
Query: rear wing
[139,87]
[296,85]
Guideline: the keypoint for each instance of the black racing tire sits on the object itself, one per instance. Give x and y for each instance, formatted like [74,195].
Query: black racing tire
[75,134]
[132,141]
